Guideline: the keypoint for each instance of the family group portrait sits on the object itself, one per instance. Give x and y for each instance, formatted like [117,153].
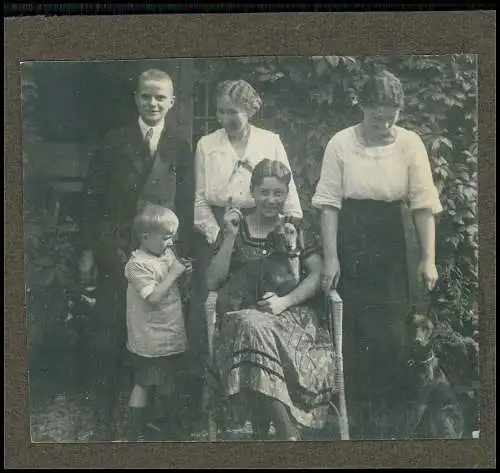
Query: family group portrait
[259,248]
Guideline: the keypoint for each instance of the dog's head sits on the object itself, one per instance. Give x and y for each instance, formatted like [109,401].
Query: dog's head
[285,245]
[419,329]
[285,239]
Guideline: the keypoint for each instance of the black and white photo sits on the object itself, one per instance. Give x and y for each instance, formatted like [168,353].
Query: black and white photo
[267,248]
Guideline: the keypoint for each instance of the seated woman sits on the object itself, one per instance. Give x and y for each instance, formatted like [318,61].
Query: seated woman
[277,360]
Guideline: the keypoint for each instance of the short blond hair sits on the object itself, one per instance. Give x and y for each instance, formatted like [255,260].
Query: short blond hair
[154,74]
[155,218]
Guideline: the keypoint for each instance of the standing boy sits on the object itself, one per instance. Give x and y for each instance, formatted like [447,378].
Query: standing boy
[136,164]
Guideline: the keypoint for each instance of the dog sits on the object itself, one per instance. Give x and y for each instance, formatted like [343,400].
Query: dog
[277,272]
[429,407]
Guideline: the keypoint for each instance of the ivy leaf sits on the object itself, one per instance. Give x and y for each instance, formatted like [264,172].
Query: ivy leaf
[322,67]
[263,70]
[333,61]
[436,144]
[472,229]
[348,59]
[468,215]
[47,278]
[447,142]
[277,76]
[470,194]
[441,171]
[296,75]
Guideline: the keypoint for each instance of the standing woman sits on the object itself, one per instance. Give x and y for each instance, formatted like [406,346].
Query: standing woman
[224,163]
[225,159]
[368,171]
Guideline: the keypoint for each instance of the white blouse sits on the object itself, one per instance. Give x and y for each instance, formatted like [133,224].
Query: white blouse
[400,170]
[220,173]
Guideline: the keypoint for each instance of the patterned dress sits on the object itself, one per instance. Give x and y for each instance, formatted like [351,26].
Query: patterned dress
[289,357]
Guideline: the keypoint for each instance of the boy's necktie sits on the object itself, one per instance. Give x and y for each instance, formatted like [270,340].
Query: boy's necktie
[148,139]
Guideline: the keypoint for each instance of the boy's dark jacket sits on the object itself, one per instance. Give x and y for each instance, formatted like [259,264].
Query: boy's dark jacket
[119,173]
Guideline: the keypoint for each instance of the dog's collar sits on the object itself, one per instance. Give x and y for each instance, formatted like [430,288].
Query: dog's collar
[412,362]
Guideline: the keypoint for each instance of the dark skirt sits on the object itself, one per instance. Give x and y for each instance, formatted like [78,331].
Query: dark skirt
[375,290]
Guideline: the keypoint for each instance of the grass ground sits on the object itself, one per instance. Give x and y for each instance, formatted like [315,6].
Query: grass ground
[68,418]
[62,412]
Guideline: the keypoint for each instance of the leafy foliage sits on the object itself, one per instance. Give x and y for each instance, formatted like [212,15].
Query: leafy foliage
[51,287]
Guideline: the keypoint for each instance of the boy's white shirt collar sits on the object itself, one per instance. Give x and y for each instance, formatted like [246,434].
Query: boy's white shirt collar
[157,129]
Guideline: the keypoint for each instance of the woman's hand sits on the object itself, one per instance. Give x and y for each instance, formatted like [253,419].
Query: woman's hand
[232,219]
[186,262]
[330,275]
[427,273]
[273,304]
[218,268]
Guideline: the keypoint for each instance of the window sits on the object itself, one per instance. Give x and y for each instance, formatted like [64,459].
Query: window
[204,119]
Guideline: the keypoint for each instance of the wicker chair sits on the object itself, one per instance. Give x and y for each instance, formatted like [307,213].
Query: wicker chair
[335,327]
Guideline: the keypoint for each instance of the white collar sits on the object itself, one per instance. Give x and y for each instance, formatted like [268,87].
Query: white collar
[227,142]
[225,136]
[156,128]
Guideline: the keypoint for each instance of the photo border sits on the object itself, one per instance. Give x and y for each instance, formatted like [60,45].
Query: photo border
[203,35]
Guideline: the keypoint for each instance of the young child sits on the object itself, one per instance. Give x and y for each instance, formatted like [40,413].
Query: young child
[155,321]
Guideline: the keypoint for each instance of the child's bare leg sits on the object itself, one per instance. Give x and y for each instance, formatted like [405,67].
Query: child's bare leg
[137,408]
[139,396]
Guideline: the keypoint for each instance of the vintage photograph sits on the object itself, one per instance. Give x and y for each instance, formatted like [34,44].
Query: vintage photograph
[267,248]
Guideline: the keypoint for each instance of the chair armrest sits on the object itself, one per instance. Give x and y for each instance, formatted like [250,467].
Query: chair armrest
[335,315]
[208,400]
[210,315]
